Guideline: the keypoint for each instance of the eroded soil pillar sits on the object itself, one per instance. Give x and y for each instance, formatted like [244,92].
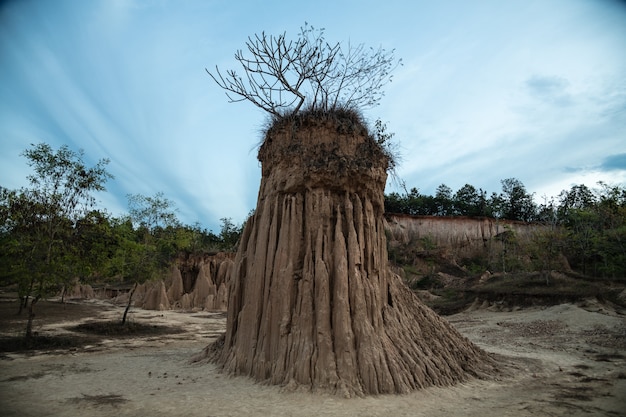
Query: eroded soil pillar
[312,300]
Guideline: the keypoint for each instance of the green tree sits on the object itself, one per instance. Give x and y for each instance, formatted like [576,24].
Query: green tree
[97,243]
[156,212]
[132,258]
[509,241]
[577,212]
[595,221]
[609,245]
[515,202]
[156,224]
[40,221]
[229,234]
[395,203]
[579,197]
[468,201]
[546,248]
[413,202]
[443,201]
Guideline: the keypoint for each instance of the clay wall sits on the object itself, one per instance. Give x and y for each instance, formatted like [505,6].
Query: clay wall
[463,236]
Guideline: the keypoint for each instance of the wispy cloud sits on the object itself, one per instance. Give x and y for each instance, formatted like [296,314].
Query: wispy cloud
[550,89]
[615,162]
[487,92]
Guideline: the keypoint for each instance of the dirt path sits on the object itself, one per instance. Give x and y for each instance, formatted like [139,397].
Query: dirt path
[564,361]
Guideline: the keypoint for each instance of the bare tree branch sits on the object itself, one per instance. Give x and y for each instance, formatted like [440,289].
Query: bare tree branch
[282,76]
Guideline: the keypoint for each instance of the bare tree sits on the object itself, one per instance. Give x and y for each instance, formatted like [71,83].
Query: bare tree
[281,75]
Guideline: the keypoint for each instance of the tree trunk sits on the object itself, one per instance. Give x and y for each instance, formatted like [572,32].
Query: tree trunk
[21,305]
[312,300]
[24,299]
[31,317]
[130,300]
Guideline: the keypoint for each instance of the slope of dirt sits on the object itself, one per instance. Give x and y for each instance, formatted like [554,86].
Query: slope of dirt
[564,360]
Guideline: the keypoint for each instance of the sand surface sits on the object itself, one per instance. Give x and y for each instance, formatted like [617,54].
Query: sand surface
[565,360]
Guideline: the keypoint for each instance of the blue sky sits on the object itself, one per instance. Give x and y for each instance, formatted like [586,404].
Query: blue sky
[488,90]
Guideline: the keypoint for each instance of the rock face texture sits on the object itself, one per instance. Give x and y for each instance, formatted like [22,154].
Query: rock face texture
[463,237]
[199,282]
[79,290]
[312,301]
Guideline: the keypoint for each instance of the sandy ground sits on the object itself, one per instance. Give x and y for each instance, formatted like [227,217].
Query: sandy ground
[566,360]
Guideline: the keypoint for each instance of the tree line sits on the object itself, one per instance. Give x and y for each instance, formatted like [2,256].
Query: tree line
[52,232]
[513,203]
[586,225]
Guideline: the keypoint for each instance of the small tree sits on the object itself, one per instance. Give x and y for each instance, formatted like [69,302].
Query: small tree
[506,259]
[156,222]
[42,219]
[517,204]
[443,200]
[281,76]
[156,245]
[546,248]
[579,197]
[229,234]
[152,212]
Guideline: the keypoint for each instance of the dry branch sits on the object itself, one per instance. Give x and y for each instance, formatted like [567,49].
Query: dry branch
[282,76]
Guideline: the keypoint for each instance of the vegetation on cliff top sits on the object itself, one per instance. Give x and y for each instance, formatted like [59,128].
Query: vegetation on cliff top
[587,226]
[283,76]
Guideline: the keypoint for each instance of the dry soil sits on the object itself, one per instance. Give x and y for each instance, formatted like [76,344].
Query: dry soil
[565,360]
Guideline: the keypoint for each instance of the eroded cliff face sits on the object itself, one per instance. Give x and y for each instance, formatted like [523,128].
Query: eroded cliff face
[312,300]
[194,283]
[460,237]
[198,282]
